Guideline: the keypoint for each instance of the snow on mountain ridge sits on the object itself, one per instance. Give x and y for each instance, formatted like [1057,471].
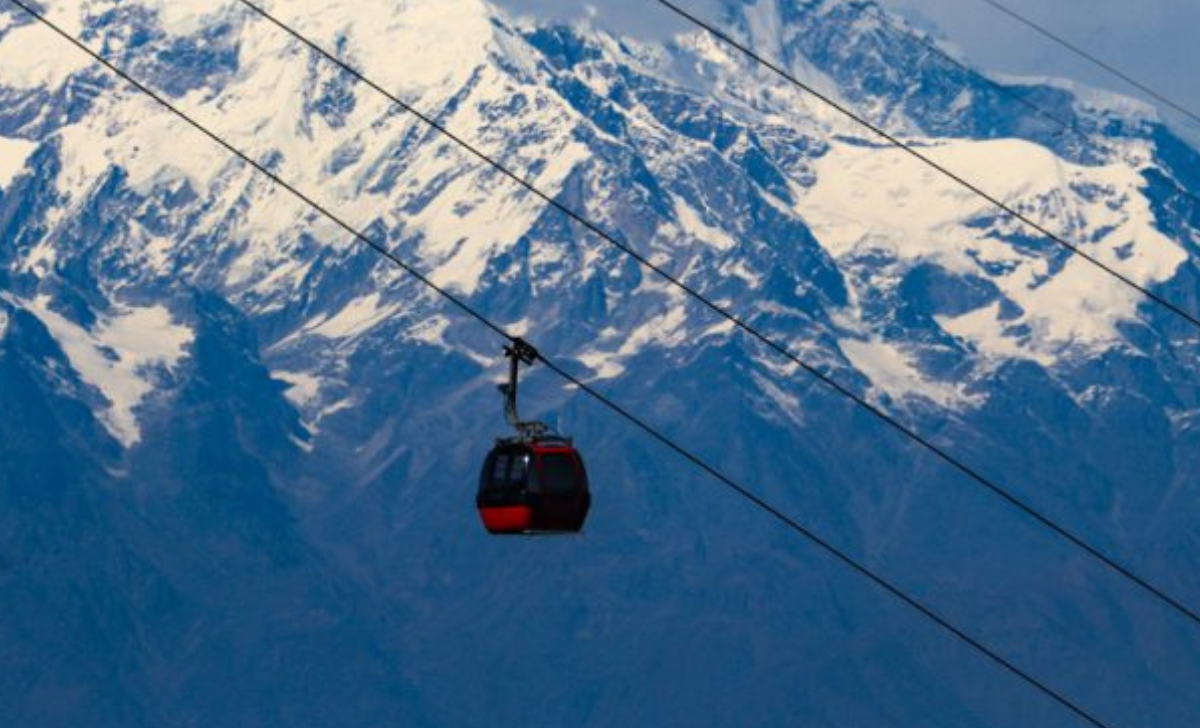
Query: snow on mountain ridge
[28,66]
[374,165]
[413,46]
[118,356]
[895,374]
[13,155]
[869,199]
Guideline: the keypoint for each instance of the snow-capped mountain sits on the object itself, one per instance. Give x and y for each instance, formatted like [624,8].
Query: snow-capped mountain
[238,449]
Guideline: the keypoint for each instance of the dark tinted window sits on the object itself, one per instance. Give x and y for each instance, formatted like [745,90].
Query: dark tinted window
[500,467]
[508,470]
[558,473]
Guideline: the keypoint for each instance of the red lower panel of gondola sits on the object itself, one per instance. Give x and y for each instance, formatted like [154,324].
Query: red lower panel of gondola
[507,519]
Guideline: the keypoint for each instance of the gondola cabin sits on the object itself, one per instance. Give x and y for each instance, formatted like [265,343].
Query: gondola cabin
[533,486]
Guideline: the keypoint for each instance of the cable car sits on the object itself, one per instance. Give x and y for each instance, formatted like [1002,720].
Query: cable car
[535,482]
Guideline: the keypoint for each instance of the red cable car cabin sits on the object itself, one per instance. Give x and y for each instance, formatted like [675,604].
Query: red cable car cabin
[533,486]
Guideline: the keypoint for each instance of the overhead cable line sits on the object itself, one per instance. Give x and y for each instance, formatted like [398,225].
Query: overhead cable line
[1083,135]
[1092,58]
[929,161]
[780,349]
[758,501]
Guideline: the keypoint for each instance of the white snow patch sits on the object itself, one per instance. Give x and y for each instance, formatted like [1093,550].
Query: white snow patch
[40,260]
[303,389]
[339,406]
[147,147]
[13,155]
[737,267]
[892,372]
[665,330]
[884,200]
[432,331]
[720,329]
[118,356]
[521,327]
[285,276]
[787,403]
[477,216]
[693,224]
[981,326]
[603,364]
[357,317]
[185,17]
[407,46]
[33,57]
[156,250]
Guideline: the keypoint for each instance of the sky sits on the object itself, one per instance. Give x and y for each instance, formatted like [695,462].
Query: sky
[1153,41]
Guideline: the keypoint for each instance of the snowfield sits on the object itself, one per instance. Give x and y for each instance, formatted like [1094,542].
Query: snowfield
[119,356]
[869,200]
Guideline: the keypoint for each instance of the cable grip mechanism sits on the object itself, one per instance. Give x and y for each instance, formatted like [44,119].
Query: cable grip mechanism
[519,352]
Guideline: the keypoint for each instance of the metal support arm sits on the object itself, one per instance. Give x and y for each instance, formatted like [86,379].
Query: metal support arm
[519,352]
